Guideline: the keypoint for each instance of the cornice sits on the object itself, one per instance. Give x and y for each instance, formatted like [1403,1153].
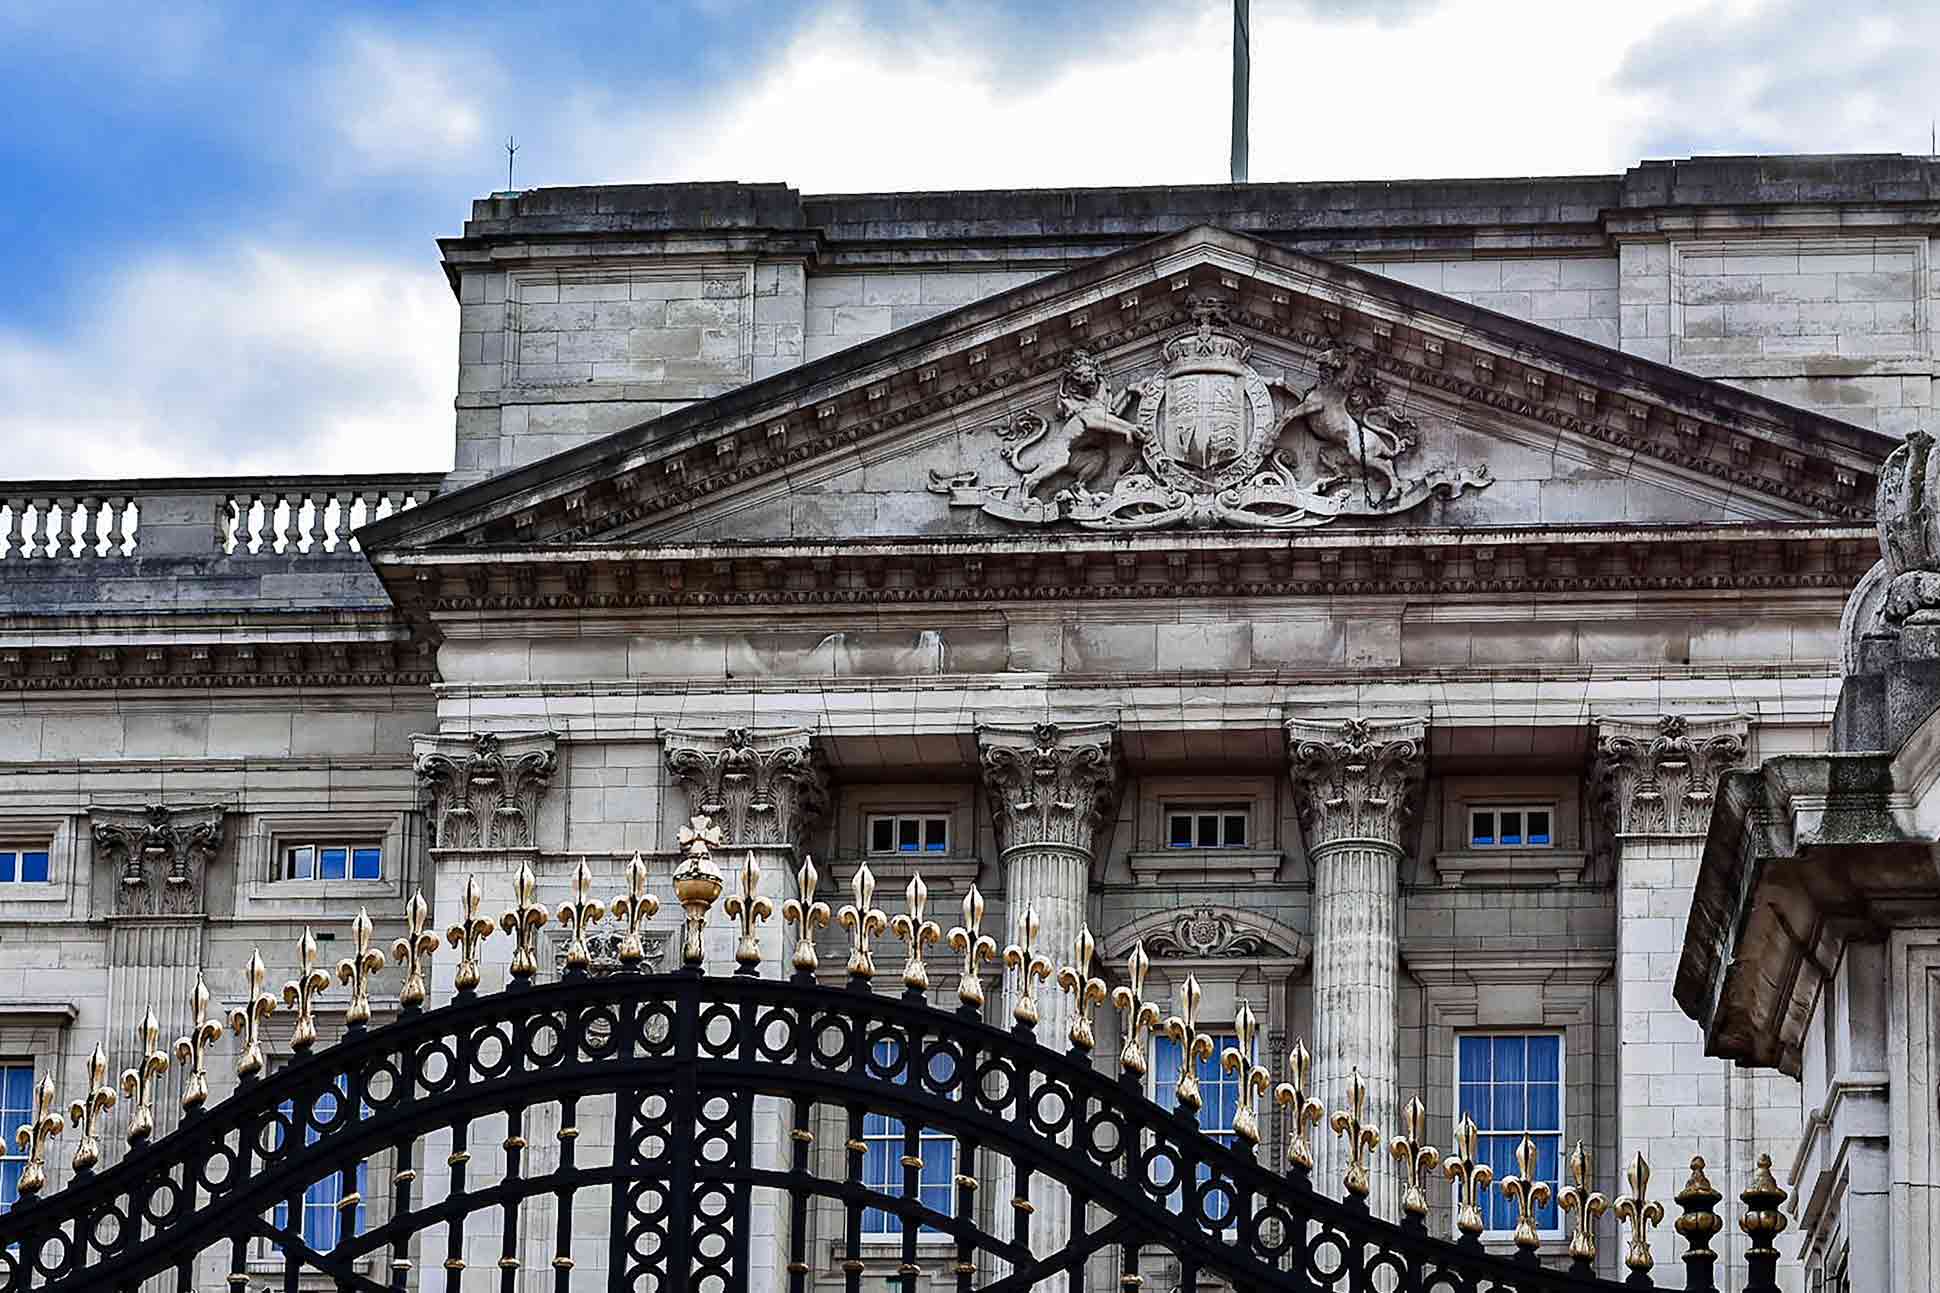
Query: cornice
[221,665]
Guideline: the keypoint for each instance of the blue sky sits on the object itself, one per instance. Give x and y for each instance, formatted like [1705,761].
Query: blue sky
[217,238]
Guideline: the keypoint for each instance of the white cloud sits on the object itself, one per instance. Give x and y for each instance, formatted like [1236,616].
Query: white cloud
[401,105]
[250,361]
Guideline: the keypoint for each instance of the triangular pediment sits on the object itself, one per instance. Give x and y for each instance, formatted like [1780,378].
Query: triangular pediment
[1207,381]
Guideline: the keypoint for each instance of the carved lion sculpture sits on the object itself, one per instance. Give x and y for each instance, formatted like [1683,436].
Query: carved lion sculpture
[1340,413]
[1078,444]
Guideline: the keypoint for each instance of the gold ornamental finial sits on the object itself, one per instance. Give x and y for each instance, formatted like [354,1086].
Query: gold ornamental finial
[1031,966]
[1089,990]
[749,908]
[522,921]
[1582,1203]
[192,1048]
[1417,1160]
[468,934]
[1699,1223]
[1194,1045]
[33,1137]
[1527,1193]
[246,1021]
[916,930]
[1762,1221]
[414,952]
[138,1083]
[864,920]
[302,992]
[1254,1078]
[1138,1015]
[85,1114]
[805,912]
[582,911]
[1641,1211]
[1306,1111]
[635,907]
[975,946]
[697,886]
[1361,1137]
[1471,1176]
[356,969]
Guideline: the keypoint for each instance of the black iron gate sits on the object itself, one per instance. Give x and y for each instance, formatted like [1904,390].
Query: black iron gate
[713,1093]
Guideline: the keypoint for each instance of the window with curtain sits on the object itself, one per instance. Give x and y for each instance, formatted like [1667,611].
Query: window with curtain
[324,1224]
[1511,1084]
[16,1111]
[1218,1092]
[882,1161]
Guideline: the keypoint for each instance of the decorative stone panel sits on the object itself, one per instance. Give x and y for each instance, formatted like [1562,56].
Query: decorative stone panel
[1660,778]
[761,788]
[159,853]
[482,791]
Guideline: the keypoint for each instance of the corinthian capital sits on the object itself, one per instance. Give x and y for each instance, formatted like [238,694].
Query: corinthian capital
[1659,778]
[1356,780]
[482,790]
[160,852]
[1049,784]
[760,787]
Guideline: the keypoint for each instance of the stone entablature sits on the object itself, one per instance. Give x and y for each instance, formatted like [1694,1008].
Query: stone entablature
[482,790]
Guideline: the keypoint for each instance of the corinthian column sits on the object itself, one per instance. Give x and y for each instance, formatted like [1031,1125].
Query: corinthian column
[1356,784]
[1051,787]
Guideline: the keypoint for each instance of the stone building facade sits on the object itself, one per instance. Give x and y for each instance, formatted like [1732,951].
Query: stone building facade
[1350,594]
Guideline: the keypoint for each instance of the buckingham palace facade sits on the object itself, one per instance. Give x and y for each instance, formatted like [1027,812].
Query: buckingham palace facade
[1349,594]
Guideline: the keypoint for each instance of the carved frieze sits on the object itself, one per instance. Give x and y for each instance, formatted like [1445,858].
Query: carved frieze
[1208,441]
[159,853]
[759,787]
[1356,781]
[1049,785]
[1660,778]
[1208,932]
[482,791]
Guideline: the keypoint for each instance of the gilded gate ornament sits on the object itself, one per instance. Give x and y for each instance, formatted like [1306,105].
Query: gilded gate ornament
[1417,1159]
[302,992]
[975,947]
[522,921]
[468,934]
[33,1137]
[1030,964]
[1699,1222]
[1362,1139]
[1583,1205]
[1087,989]
[414,952]
[1254,1077]
[1641,1212]
[805,912]
[697,885]
[1471,1176]
[916,930]
[1194,1045]
[1305,1111]
[192,1048]
[635,908]
[246,1020]
[864,921]
[1138,1016]
[84,1115]
[1527,1193]
[138,1083]
[749,908]
[578,915]
[356,970]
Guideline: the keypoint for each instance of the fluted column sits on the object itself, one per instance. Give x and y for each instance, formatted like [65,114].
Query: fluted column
[1356,784]
[1051,788]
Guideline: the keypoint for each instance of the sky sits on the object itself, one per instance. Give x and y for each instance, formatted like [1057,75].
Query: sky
[217,221]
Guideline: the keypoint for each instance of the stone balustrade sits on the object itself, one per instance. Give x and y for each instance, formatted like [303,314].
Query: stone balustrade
[253,516]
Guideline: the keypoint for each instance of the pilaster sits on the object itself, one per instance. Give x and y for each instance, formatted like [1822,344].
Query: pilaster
[1357,784]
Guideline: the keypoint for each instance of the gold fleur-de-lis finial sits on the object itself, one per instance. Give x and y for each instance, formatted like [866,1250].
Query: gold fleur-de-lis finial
[192,1048]
[916,931]
[750,908]
[356,969]
[1306,1111]
[1089,990]
[975,946]
[805,912]
[582,911]
[1641,1212]
[247,1020]
[1471,1177]
[1031,965]
[1194,1045]
[33,1137]
[138,1083]
[1255,1079]
[1139,1016]
[522,921]
[414,952]
[1582,1203]
[1351,1122]
[468,934]
[864,920]
[1417,1159]
[85,1114]
[635,908]
[697,886]
[1527,1193]
[302,991]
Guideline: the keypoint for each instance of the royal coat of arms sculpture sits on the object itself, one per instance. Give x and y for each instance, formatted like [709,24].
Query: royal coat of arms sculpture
[1208,441]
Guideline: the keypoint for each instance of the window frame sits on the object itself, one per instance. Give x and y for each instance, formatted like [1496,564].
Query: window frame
[18,848]
[922,818]
[318,845]
[1224,810]
[893,1139]
[1495,809]
[10,1151]
[1561,1133]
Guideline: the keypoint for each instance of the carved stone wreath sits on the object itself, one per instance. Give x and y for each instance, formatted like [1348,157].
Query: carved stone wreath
[1208,933]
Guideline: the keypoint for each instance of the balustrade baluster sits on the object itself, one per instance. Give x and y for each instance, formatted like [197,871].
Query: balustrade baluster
[87,512]
[41,538]
[118,525]
[280,506]
[16,520]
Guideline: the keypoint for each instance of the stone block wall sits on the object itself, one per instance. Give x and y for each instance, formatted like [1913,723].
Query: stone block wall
[1573,295]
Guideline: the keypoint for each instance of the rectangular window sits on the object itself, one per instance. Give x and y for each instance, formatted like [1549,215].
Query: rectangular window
[1511,826]
[22,865]
[883,1169]
[1511,1084]
[1218,1090]
[333,862]
[927,833]
[1206,826]
[324,1223]
[16,1111]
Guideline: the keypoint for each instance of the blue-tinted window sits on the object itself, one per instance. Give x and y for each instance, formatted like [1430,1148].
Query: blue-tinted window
[1510,827]
[924,833]
[367,864]
[23,866]
[333,862]
[325,1225]
[882,1161]
[16,1111]
[1512,1085]
[1218,1094]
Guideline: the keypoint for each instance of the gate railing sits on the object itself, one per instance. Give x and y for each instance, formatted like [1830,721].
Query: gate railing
[684,1065]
